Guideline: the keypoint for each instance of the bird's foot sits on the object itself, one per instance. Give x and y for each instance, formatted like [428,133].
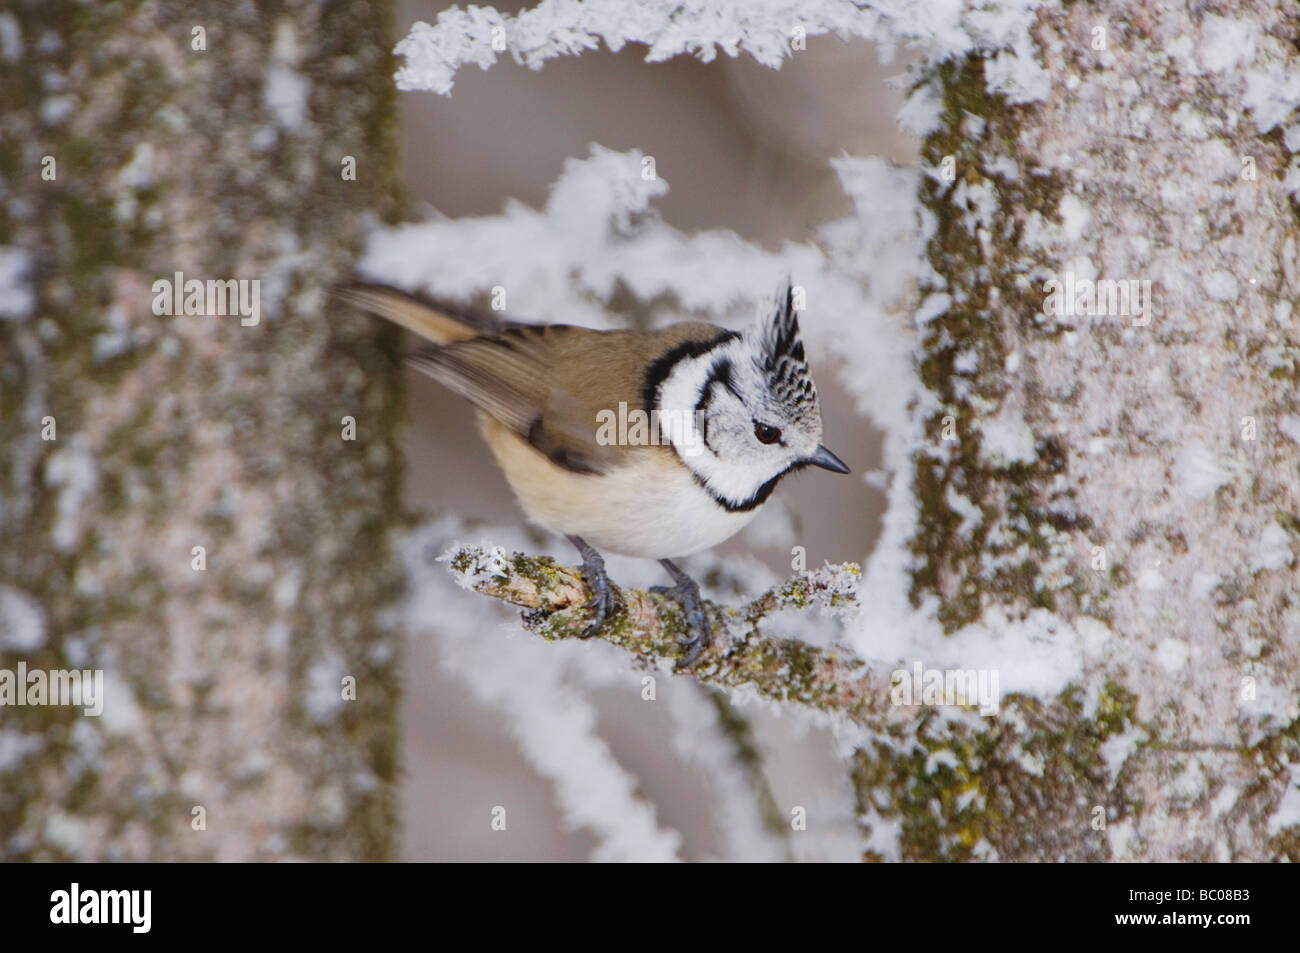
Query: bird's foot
[603,598]
[686,593]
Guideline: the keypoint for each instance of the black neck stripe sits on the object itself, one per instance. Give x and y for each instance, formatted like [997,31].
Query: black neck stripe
[661,367]
[759,496]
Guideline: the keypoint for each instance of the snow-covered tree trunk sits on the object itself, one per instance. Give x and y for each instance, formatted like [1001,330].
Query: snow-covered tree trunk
[182,505]
[1128,476]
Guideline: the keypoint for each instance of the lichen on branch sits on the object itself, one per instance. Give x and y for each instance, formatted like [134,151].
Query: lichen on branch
[651,627]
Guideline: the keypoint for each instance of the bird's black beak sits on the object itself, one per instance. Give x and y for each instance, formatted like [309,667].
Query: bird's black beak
[827,461]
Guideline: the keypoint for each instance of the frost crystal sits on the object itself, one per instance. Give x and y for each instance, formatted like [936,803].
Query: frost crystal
[764,29]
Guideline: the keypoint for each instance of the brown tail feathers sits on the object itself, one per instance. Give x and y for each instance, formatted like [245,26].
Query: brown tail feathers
[435,321]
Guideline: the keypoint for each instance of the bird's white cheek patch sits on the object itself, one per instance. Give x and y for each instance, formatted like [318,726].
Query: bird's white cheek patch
[684,430]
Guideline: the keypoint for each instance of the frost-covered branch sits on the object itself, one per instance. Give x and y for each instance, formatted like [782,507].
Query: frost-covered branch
[566,28]
[767,30]
[650,626]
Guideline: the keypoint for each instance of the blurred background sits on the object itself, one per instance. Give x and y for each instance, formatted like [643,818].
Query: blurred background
[743,148]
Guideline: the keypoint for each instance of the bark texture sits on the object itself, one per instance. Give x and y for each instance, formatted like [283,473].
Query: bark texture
[225,686]
[1157,512]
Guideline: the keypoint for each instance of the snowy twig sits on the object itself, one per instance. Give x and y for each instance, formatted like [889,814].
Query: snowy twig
[650,626]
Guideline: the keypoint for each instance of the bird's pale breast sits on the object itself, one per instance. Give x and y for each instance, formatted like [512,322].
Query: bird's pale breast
[650,508]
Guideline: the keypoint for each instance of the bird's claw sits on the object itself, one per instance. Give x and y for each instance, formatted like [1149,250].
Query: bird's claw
[603,599]
[699,633]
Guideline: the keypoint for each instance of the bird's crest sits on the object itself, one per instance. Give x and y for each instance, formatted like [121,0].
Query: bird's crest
[781,356]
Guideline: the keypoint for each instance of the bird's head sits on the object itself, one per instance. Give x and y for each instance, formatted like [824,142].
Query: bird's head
[760,412]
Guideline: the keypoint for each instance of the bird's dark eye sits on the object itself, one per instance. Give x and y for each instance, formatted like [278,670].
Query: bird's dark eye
[765,433]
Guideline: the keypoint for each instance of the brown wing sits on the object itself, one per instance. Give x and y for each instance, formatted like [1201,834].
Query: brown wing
[548,383]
